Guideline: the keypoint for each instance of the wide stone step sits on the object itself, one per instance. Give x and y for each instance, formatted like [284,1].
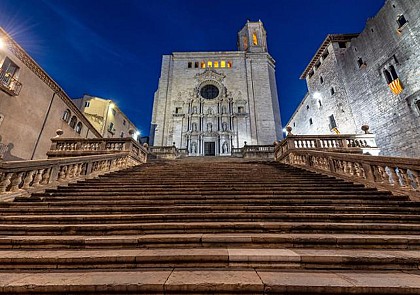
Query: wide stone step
[278,258]
[211,281]
[215,240]
[210,227]
[301,208]
[210,216]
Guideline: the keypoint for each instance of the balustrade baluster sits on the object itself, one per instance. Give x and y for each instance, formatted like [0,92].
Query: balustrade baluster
[16,181]
[28,179]
[393,177]
[5,182]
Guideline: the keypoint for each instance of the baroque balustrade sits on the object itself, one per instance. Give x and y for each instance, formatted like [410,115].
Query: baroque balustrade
[398,175]
[69,160]
[167,152]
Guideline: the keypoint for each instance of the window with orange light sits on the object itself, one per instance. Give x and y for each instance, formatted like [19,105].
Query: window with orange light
[223,64]
[209,64]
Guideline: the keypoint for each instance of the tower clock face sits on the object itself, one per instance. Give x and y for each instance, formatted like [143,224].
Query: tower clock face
[209,92]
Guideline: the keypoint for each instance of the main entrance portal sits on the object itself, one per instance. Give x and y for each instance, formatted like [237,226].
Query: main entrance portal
[209,148]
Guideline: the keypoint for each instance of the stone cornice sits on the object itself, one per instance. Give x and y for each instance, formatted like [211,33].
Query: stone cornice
[28,61]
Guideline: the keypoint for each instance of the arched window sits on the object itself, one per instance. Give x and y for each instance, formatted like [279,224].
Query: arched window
[254,39]
[73,122]
[387,76]
[79,127]
[66,115]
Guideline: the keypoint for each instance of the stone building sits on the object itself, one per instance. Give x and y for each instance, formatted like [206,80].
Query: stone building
[106,116]
[32,106]
[368,78]
[210,102]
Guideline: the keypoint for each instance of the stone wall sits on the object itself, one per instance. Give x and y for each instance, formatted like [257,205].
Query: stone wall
[362,95]
[31,116]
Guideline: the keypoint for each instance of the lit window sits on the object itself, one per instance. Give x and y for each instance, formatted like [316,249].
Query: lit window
[223,64]
[216,64]
[203,65]
[229,64]
[209,64]
[254,39]
[79,127]
[401,21]
[73,122]
[66,115]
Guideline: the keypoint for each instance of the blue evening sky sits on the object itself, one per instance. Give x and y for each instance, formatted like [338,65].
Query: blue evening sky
[113,49]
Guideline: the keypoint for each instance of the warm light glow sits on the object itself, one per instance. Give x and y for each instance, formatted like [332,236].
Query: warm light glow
[203,65]
[317,95]
[284,130]
[223,64]
[111,105]
[229,64]
[136,134]
[209,64]
[2,44]
[216,64]
[254,39]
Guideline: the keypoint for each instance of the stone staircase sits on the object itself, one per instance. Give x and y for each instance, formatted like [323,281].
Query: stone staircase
[213,226]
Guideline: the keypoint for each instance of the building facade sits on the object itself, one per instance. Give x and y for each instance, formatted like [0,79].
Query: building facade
[33,106]
[211,102]
[369,78]
[106,117]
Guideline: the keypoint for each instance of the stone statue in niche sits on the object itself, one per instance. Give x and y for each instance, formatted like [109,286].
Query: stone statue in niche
[194,127]
[210,111]
[209,127]
[224,148]
[194,148]
[194,110]
[224,110]
[224,126]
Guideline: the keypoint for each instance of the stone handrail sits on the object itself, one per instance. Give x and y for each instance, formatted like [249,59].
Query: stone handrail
[398,175]
[23,177]
[65,147]
[165,152]
[349,143]
[258,151]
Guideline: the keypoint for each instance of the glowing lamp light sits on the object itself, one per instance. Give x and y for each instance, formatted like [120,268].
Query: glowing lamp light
[2,43]
[284,130]
[317,95]
[111,105]
[137,133]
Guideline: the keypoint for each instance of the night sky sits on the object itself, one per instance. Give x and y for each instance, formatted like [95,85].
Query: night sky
[113,49]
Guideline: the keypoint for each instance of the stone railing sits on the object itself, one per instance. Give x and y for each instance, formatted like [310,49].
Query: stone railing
[258,151]
[398,175]
[345,143]
[20,178]
[70,147]
[70,159]
[165,152]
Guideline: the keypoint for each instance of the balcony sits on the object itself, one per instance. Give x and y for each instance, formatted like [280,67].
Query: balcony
[9,84]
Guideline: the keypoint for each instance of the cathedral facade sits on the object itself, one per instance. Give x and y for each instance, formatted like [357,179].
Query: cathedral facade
[211,102]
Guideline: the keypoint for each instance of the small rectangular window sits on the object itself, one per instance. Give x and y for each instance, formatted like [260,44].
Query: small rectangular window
[342,44]
[333,124]
[317,65]
[229,64]
[311,73]
[122,134]
[310,121]
[124,122]
[241,110]
[223,64]
[178,110]
[87,104]
[196,64]
[216,64]
[8,80]
[325,54]
[203,65]
[401,21]
[189,65]
[209,64]
[114,112]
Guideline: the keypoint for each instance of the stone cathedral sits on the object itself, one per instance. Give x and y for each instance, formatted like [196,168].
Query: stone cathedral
[211,102]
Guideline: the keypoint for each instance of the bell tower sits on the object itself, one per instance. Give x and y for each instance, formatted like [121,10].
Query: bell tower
[252,37]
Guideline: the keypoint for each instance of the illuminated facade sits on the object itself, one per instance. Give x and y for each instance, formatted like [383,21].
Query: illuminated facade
[211,102]
[368,78]
[106,117]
